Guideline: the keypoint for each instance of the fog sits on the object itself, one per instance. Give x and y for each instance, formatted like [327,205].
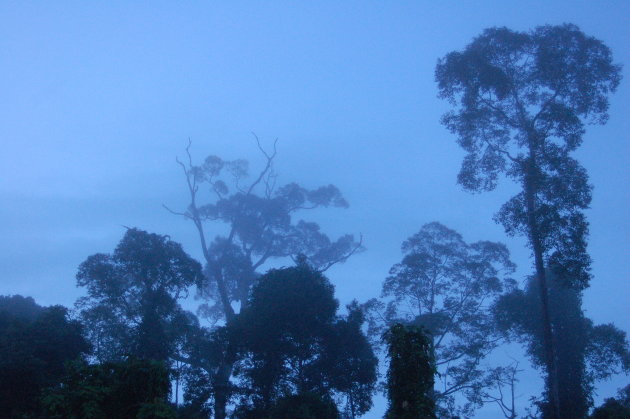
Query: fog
[100,99]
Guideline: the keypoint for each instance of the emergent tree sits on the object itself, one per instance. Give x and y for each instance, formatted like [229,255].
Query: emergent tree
[521,100]
[260,222]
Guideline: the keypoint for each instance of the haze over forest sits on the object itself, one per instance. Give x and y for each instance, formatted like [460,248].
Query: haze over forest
[100,99]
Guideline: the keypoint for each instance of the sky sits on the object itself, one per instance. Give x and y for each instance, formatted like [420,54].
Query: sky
[98,98]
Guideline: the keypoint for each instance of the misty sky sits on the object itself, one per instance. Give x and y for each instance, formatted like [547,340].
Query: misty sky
[97,99]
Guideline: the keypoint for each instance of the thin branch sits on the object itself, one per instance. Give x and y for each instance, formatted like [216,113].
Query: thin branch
[196,218]
[451,359]
[545,105]
[269,157]
[344,257]
[462,382]
[500,111]
[188,152]
[176,213]
[498,149]
[270,184]
[263,258]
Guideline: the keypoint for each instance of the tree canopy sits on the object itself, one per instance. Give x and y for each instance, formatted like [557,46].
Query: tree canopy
[129,389]
[131,307]
[260,219]
[270,341]
[614,408]
[293,343]
[521,101]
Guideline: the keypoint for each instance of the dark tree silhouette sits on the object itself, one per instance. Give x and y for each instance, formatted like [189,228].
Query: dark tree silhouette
[292,343]
[304,406]
[350,362]
[35,342]
[614,408]
[521,100]
[131,307]
[129,389]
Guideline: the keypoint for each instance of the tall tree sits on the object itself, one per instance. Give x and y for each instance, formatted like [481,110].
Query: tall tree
[293,343]
[259,216]
[586,352]
[131,307]
[521,100]
[447,286]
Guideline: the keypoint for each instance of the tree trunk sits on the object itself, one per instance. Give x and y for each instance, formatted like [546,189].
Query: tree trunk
[222,389]
[352,414]
[178,370]
[432,394]
[535,240]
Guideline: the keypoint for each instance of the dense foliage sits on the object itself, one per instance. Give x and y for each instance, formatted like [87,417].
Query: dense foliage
[304,406]
[35,342]
[130,389]
[260,217]
[261,226]
[614,408]
[293,343]
[410,375]
[132,303]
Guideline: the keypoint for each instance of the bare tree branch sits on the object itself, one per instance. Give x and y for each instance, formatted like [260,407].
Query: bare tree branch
[176,213]
[345,256]
[268,166]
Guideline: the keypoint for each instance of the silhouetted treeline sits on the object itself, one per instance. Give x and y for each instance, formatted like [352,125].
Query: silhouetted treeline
[132,346]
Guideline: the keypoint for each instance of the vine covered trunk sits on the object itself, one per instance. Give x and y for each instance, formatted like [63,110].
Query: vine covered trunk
[536,243]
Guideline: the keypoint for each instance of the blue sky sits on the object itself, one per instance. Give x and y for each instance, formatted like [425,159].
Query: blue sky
[99,97]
